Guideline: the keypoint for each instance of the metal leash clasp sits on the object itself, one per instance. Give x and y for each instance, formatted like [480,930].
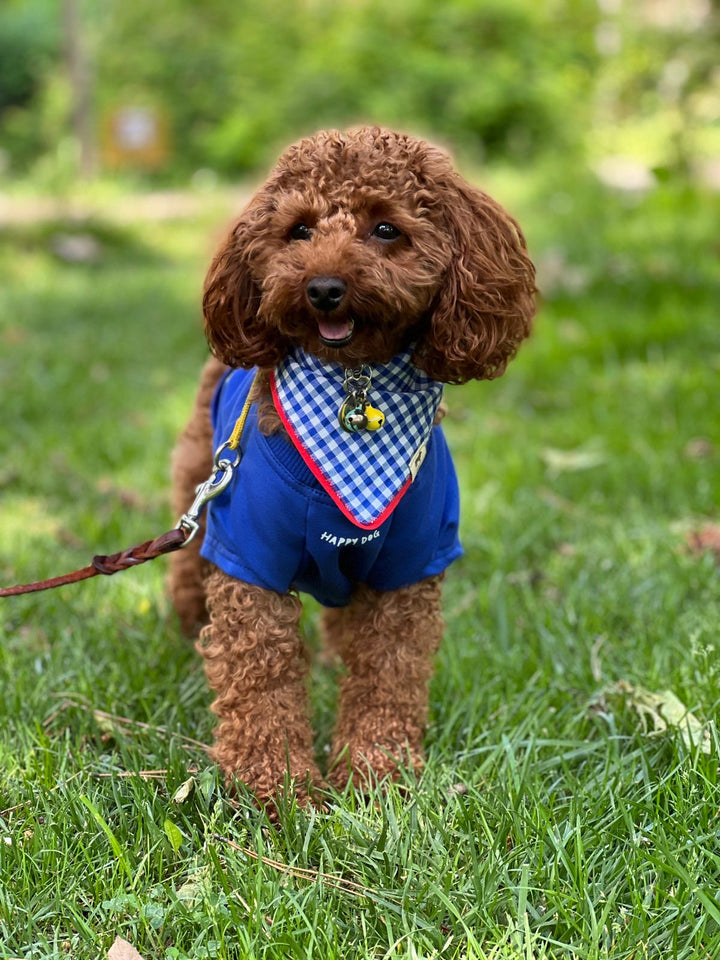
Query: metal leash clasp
[357,381]
[220,477]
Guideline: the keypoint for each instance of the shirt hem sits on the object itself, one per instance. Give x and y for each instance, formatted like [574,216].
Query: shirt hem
[435,566]
[213,551]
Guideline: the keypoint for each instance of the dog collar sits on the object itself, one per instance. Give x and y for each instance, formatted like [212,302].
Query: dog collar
[365,473]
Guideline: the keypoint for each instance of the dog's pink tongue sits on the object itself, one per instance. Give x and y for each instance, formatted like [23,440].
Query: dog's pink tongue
[334,329]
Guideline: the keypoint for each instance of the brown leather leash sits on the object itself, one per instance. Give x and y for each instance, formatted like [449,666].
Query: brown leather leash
[108,565]
[175,539]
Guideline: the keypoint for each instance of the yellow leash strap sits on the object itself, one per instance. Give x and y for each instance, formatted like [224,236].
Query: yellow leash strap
[221,475]
[233,441]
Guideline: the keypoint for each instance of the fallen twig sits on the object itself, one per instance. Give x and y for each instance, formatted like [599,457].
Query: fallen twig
[103,716]
[304,873]
[142,774]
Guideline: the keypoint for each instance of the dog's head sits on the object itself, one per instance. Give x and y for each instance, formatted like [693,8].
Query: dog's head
[363,243]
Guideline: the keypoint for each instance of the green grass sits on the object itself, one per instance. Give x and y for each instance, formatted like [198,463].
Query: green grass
[574,834]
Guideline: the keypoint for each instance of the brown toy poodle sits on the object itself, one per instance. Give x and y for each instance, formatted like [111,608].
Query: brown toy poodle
[363,275]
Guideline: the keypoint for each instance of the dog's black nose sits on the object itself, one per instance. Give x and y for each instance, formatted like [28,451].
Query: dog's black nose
[326,293]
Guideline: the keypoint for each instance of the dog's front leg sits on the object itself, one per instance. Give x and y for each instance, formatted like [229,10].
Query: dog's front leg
[255,661]
[388,641]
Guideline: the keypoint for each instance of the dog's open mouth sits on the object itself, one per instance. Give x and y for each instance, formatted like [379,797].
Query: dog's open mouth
[335,333]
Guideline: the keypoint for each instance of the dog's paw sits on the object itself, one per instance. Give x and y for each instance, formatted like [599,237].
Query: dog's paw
[279,794]
[366,766]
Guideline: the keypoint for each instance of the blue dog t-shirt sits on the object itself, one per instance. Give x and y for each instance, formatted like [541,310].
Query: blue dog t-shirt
[320,510]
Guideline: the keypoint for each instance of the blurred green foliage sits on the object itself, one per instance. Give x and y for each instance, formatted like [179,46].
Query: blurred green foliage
[493,78]
[29,54]
[477,74]
[28,43]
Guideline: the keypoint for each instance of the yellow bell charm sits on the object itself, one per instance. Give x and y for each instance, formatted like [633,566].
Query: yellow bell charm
[375,418]
[355,416]
[355,413]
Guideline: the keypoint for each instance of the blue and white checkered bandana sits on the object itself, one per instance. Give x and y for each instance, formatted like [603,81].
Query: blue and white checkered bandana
[365,473]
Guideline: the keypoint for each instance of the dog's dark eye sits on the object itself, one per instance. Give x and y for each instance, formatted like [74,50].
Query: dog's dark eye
[386,231]
[301,231]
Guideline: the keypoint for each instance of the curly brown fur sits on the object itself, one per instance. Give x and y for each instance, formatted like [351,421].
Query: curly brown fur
[387,641]
[455,283]
[255,661]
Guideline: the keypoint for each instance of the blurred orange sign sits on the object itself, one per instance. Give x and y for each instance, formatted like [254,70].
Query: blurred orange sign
[135,137]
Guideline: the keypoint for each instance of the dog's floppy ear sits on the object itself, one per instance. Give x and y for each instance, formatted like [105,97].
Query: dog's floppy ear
[231,298]
[486,303]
